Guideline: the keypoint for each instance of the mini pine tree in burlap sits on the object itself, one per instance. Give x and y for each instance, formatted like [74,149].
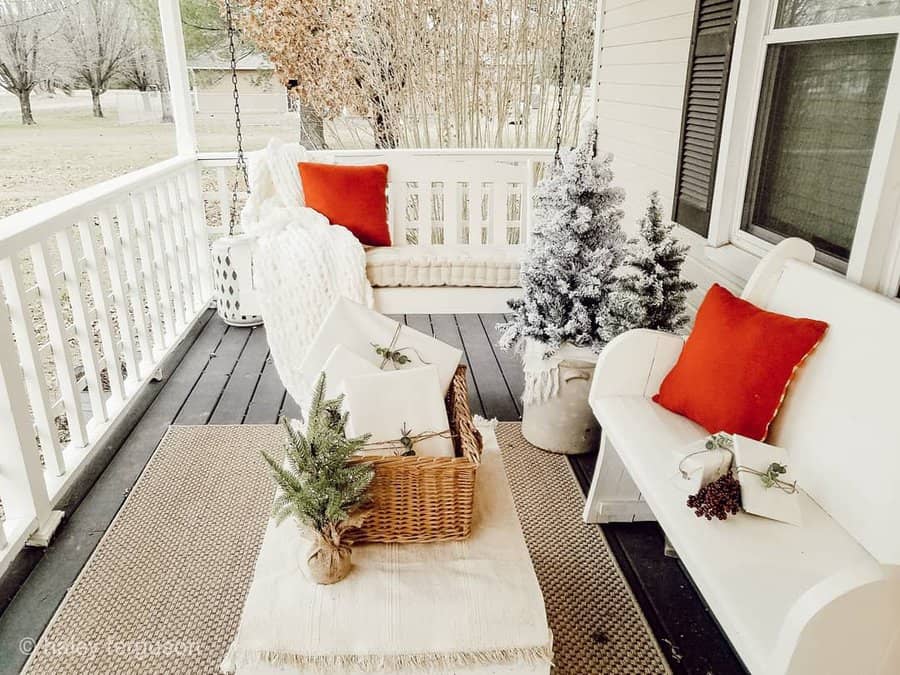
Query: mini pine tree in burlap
[649,291]
[318,486]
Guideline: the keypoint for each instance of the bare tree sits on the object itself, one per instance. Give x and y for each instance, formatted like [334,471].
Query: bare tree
[431,73]
[99,34]
[24,28]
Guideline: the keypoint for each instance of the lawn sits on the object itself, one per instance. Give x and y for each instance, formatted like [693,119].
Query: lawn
[69,149]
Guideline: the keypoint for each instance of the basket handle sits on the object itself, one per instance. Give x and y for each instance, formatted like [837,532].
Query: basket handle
[459,394]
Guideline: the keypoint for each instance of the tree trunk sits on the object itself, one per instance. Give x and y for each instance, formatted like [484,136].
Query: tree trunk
[165,101]
[385,136]
[165,98]
[312,128]
[25,107]
[95,99]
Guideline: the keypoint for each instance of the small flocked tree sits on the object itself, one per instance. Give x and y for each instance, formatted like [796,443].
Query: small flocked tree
[577,243]
[318,487]
[649,291]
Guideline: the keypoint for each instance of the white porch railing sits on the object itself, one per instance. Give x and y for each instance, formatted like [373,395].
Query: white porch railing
[102,284]
[99,287]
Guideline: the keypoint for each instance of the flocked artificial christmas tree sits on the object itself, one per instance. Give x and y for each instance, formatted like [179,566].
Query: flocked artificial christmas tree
[576,244]
[648,291]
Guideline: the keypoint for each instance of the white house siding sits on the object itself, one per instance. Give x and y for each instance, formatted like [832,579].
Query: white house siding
[643,65]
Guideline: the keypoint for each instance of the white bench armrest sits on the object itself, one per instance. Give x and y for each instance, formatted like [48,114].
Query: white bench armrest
[635,363]
[858,606]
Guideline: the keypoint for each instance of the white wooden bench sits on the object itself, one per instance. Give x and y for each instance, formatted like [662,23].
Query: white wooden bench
[459,223]
[820,598]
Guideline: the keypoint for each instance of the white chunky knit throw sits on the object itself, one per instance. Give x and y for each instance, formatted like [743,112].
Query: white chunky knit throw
[542,371]
[302,264]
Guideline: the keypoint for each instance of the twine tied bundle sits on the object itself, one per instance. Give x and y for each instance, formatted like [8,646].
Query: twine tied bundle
[769,477]
[391,354]
[407,441]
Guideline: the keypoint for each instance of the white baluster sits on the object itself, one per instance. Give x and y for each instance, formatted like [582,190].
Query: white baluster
[166,214]
[112,249]
[184,235]
[30,358]
[396,211]
[152,298]
[22,483]
[65,373]
[224,197]
[475,214]
[160,266]
[499,213]
[135,295]
[451,211]
[200,234]
[111,349]
[527,196]
[426,195]
[83,333]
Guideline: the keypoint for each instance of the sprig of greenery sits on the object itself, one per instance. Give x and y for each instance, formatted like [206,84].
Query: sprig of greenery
[317,484]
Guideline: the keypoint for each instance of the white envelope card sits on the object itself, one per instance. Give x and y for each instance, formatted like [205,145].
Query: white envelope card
[753,460]
[341,364]
[389,405]
[365,332]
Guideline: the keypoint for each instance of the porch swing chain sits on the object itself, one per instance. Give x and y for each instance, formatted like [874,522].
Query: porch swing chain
[561,83]
[241,161]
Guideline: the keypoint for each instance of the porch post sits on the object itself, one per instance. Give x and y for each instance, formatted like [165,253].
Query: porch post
[595,63]
[179,86]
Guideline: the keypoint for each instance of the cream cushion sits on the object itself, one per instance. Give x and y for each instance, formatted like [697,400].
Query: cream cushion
[450,265]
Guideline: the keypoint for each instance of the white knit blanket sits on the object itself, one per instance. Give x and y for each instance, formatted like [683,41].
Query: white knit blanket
[302,264]
[456,607]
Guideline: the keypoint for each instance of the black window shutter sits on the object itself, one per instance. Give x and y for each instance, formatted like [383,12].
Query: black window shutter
[701,122]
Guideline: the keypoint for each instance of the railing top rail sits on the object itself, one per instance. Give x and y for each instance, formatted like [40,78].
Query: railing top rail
[31,225]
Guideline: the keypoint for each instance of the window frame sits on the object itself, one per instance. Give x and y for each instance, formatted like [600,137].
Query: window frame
[875,252]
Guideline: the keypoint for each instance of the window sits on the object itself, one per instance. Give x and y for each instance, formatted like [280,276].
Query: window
[816,128]
[810,146]
[811,13]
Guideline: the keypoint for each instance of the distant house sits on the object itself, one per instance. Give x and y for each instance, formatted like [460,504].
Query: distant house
[260,90]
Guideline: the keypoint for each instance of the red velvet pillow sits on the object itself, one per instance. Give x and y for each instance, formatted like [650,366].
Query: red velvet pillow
[737,364]
[352,196]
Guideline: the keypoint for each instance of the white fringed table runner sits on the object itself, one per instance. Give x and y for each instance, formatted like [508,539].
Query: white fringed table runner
[466,606]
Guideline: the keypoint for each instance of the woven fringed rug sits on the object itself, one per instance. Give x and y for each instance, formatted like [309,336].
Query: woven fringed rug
[163,591]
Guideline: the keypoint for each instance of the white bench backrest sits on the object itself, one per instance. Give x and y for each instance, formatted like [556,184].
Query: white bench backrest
[454,196]
[840,421]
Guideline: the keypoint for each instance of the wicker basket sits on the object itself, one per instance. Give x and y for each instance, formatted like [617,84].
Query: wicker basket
[425,499]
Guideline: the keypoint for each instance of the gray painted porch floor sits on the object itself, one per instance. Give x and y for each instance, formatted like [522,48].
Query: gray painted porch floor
[227,377]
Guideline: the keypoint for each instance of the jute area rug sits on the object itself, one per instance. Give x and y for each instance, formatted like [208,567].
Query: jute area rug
[164,589]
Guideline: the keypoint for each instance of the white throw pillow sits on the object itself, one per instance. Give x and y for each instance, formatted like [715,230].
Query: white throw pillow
[387,403]
[359,328]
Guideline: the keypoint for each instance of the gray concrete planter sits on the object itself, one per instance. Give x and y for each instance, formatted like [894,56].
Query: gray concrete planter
[565,424]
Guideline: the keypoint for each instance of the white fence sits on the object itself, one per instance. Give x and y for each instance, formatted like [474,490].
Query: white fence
[101,285]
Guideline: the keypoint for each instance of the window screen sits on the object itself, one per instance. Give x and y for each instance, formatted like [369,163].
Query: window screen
[819,115]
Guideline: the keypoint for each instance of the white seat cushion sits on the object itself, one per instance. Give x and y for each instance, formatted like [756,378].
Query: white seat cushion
[750,570]
[459,265]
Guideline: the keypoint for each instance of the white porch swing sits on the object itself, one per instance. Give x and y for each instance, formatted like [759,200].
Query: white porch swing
[459,223]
